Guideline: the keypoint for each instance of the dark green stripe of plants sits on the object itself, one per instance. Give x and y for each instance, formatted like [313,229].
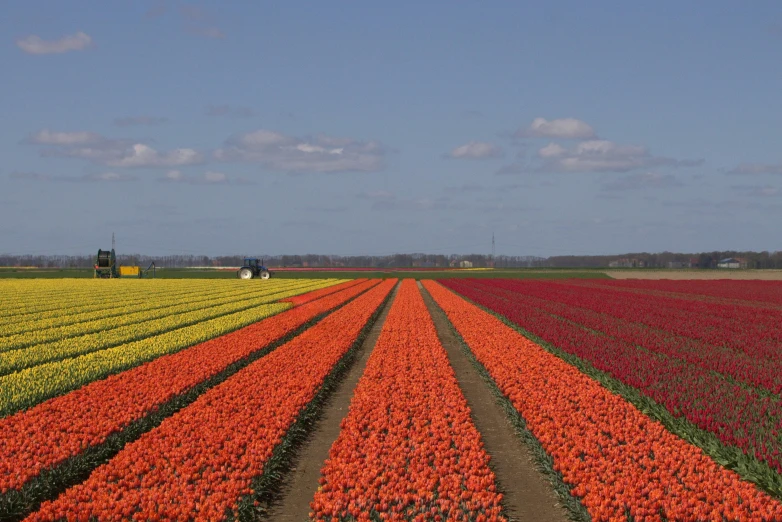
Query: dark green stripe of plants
[268,485]
[17,504]
[748,467]
[545,463]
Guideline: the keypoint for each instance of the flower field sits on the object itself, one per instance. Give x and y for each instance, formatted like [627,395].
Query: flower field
[670,350]
[408,448]
[201,461]
[167,400]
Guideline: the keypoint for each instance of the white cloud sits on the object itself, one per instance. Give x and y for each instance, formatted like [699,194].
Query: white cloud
[139,120]
[564,128]
[47,137]
[276,151]
[140,155]
[118,153]
[603,156]
[757,168]
[552,150]
[476,150]
[36,45]
[174,175]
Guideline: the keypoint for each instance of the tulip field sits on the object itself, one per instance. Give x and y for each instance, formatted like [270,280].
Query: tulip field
[633,400]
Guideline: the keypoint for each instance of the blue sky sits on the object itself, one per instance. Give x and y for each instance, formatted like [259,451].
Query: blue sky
[346,128]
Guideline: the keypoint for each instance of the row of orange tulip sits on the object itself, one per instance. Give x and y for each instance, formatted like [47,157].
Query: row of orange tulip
[63,427]
[199,462]
[408,449]
[617,461]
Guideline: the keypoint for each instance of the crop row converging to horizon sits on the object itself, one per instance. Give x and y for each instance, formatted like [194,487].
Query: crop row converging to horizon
[162,399]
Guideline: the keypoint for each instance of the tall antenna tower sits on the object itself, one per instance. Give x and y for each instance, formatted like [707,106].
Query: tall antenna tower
[112,241]
[492,249]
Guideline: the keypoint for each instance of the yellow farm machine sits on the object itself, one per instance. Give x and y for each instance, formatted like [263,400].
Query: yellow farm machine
[106,267]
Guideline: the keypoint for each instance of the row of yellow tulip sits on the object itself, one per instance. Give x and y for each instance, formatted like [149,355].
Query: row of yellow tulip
[25,388]
[80,308]
[30,332]
[24,297]
[15,360]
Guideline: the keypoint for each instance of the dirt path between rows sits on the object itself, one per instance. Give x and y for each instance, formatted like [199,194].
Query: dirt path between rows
[528,496]
[301,482]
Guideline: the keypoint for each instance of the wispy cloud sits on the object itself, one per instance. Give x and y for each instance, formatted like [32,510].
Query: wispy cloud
[277,151]
[757,168]
[200,22]
[207,178]
[645,180]
[130,121]
[137,155]
[603,156]
[327,209]
[231,111]
[110,152]
[467,188]
[158,9]
[48,137]
[564,128]
[388,201]
[34,44]
[758,191]
[475,150]
[102,177]
[513,168]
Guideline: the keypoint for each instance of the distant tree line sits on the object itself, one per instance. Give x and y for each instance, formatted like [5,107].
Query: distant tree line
[705,260]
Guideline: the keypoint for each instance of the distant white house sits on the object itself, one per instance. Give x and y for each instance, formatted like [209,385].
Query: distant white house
[465,264]
[729,262]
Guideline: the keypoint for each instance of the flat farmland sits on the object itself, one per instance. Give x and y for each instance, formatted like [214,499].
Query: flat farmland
[684,275]
[362,399]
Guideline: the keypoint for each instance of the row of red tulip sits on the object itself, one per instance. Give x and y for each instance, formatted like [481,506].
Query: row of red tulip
[737,414]
[199,462]
[63,427]
[615,319]
[619,463]
[751,292]
[736,326]
[408,449]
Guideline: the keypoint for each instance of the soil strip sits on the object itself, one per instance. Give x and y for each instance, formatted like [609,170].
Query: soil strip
[528,496]
[301,482]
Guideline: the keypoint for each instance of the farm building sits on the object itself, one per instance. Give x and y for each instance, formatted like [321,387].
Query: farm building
[729,262]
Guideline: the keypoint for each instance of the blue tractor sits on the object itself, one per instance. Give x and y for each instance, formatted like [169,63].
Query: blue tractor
[253,267]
